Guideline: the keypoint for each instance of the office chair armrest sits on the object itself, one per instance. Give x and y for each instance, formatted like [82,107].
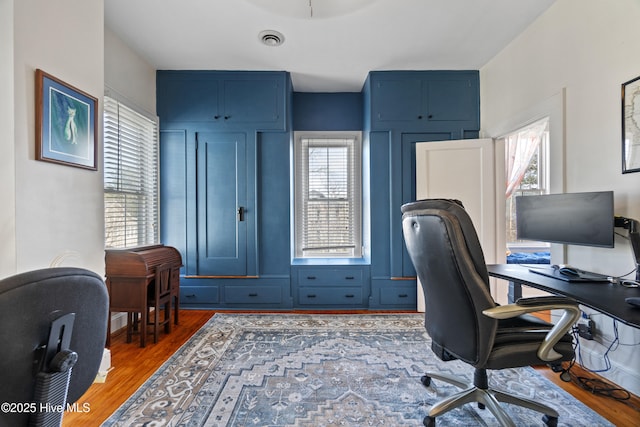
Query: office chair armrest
[570,315]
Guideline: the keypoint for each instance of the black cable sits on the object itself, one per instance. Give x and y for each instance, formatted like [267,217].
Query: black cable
[597,386]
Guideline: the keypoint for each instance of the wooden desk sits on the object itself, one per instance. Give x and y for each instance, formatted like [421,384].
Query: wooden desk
[605,297]
[129,272]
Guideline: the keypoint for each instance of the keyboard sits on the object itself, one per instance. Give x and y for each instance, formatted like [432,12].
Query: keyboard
[583,276]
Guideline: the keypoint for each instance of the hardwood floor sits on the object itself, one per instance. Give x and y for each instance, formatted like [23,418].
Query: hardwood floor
[132,365]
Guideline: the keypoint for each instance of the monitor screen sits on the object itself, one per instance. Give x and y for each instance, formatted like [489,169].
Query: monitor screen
[570,218]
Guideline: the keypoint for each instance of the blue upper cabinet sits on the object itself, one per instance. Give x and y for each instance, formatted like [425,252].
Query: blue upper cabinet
[230,100]
[424,100]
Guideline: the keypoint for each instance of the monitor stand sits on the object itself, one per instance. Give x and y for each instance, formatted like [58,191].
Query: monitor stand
[583,276]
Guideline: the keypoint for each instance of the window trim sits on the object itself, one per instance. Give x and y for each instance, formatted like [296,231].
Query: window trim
[357,196]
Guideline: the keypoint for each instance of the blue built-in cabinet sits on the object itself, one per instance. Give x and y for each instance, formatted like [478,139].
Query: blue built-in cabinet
[225,169]
[239,100]
[224,139]
[402,108]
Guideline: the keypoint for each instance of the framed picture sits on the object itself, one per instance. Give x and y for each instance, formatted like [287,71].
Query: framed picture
[631,126]
[66,121]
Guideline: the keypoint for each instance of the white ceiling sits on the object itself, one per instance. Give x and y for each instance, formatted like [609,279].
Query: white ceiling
[330,45]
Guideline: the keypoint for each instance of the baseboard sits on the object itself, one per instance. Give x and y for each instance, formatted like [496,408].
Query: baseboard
[621,374]
[118,322]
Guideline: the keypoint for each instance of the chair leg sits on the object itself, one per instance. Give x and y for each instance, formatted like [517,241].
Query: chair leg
[176,309]
[129,326]
[156,324]
[167,317]
[454,401]
[450,379]
[525,403]
[472,395]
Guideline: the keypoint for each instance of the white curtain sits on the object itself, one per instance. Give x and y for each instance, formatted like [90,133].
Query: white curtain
[521,146]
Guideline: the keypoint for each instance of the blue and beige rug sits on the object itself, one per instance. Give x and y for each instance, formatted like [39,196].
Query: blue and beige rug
[321,370]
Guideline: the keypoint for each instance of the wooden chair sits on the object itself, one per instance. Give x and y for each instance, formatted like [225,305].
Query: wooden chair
[160,300]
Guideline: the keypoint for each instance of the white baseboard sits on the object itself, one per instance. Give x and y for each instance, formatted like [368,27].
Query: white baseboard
[623,374]
[118,321]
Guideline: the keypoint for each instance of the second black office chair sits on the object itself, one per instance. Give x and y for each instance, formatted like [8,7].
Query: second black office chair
[463,320]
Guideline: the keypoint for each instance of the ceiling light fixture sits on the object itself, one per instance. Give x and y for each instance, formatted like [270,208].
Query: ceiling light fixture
[271,38]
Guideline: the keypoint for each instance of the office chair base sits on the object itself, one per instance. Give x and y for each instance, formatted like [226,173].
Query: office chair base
[485,397]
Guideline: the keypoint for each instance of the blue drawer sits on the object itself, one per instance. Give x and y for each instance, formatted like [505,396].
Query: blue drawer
[199,295]
[253,294]
[330,276]
[330,296]
[405,296]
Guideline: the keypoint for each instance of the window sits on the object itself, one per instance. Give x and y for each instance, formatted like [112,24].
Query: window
[527,172]
[130,177]
[328,201]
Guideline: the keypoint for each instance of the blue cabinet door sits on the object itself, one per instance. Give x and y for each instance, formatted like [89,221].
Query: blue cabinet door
[257,101]
[221,201]
[452,99]
[187,98]
[397,100]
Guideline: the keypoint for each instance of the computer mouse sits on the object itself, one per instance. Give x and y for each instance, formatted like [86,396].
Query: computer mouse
[635,301]
[568,270]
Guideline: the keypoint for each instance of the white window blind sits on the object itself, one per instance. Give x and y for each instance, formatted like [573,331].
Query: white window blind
[130,177]
[328,183]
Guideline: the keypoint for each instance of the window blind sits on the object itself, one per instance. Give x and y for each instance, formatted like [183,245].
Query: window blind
[130,177]
[328,197]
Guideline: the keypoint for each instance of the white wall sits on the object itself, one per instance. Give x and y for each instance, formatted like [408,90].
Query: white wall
[55,209]
[7,146]
[129,75]
[589,48]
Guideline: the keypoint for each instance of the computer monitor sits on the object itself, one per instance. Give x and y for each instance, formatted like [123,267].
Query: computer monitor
[585,219]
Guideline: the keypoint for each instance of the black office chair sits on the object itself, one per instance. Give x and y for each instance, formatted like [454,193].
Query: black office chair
[52,336]
[463,320]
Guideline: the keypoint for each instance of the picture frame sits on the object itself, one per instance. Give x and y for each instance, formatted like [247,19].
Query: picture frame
[66,123]
[631,126]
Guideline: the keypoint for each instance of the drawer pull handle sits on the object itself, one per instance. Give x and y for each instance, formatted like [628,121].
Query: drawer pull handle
[311,277]
[402,295]
[349,296]
[253,294]
[349,277]
[190,296]
[311,295]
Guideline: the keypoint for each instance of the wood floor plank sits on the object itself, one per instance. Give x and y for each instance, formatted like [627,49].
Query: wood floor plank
[132,366]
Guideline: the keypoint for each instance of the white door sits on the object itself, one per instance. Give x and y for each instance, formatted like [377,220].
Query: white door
[464,170]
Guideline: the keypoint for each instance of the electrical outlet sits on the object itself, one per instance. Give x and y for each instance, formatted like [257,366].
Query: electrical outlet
[585,330]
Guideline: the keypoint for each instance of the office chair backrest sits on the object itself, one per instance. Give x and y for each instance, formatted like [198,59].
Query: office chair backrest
[29,302]
[446,253]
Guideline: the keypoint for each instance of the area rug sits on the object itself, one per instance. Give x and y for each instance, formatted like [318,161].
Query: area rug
[321,370]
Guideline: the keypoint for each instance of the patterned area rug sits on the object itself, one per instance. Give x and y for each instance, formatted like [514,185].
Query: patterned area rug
[321,370]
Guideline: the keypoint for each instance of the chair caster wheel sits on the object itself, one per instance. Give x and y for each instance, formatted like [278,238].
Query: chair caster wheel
[426,381]
[550,421]
[429,421]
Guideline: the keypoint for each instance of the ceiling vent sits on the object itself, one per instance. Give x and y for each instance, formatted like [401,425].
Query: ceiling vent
[271,38]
